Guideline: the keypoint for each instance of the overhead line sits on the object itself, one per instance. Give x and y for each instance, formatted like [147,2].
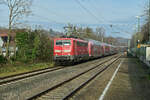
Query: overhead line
[88,11]
[94,6]
[109,21]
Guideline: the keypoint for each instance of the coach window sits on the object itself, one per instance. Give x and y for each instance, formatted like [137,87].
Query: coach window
[82,44]
[78,43]
[85,44]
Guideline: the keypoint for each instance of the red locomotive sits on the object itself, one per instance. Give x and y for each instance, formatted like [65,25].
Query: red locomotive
[75,50]
[70,49]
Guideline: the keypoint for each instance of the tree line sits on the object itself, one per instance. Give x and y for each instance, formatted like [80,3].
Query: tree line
[31,46]
[89,33]
[34,46]
[85,32]
[143,34]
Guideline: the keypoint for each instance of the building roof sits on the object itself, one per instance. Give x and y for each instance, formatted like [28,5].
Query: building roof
[3,34]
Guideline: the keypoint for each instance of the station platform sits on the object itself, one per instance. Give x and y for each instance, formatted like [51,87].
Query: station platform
[132,81]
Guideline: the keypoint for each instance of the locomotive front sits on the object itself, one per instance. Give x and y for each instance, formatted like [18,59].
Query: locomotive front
[63,49]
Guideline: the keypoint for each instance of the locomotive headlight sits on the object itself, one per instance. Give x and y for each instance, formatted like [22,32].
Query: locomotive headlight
[57,50]
[67,50]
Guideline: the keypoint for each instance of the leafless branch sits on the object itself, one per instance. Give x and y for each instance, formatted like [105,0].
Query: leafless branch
[17,10]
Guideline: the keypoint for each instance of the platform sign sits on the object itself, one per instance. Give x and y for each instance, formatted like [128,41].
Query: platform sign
[129,42]
[148,53]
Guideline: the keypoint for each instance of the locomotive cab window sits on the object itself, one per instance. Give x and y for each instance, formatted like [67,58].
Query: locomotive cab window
[58,42]
[66,42]
[63,42]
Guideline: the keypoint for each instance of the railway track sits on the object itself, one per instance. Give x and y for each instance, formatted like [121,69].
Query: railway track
[8,79]
[12,78]
[67,88]
[27,87]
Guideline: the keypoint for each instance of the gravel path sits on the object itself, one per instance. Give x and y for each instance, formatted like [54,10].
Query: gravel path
[131,82]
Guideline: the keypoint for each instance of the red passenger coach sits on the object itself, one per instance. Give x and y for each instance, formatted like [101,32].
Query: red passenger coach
[95,49]
[70,49]
[107,49]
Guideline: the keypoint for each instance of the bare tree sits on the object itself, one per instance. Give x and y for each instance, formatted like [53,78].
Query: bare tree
[17,10]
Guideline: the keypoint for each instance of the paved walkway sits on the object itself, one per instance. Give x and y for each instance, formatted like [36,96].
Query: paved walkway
[130,83]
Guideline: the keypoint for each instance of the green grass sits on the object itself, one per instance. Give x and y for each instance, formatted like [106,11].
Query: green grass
[21,68]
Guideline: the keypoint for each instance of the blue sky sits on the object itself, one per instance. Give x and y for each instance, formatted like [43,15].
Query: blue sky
[57,13]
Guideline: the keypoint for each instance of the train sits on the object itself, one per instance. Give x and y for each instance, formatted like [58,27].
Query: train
[75,50]
[141,52]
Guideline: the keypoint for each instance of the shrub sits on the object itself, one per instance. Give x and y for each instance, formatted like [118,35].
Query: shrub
[3,60]
[34,46]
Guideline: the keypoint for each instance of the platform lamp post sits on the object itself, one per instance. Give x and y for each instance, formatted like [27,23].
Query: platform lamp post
[149,20]
[138,17]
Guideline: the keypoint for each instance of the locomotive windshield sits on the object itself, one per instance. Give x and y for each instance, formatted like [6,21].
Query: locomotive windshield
[63,42]
[58,42]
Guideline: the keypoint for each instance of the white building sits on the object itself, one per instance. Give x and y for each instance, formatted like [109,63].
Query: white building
[1,42]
